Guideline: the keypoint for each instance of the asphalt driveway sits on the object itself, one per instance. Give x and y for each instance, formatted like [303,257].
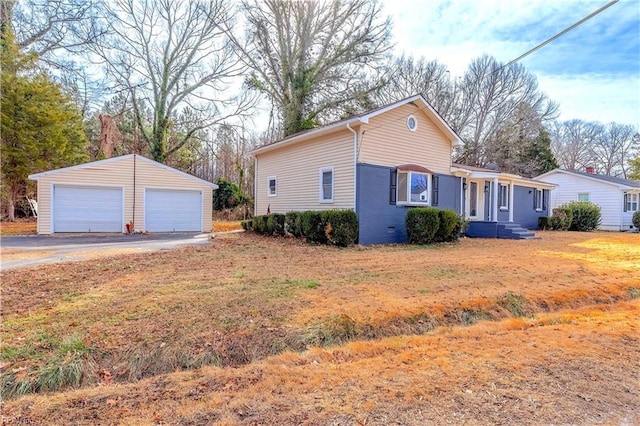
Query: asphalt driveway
[30,250]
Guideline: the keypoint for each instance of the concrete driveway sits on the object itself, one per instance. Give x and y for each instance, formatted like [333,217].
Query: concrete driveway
[24,251]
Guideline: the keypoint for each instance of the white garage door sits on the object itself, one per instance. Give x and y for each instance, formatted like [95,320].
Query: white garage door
[87,209]
[172,210]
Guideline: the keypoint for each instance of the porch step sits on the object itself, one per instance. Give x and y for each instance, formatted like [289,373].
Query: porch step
[514,231]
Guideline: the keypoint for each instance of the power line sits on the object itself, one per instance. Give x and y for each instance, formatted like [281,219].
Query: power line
[566,30]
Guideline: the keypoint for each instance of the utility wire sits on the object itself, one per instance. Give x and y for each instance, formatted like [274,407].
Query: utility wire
[566,30]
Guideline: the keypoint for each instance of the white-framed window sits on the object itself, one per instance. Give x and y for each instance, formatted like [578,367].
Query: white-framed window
[583,196]
[413,188]
[412,123]
[326,185]
[503,197]
[272,186]
[538,199]
[631,202]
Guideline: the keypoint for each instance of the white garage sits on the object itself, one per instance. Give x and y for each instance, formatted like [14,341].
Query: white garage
[87,209]
[168,210]
[130,192]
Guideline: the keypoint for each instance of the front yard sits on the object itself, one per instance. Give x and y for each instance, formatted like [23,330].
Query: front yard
[540,331]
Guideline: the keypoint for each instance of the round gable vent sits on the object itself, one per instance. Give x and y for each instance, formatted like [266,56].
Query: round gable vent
[412,123]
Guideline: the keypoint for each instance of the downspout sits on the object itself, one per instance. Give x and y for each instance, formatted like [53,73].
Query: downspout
[355,167]
[133,219]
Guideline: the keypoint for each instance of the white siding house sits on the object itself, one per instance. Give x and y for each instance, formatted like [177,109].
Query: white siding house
[618,198]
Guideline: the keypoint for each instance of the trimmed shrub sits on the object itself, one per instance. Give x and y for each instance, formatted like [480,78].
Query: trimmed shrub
[458,230]
[586,216]
[260,224]
[275,224]
[292,224]
[422,225]
[312,226]
[561,219]
[544,223]
[448,221]
[340,227]
[246,225]
[636,219]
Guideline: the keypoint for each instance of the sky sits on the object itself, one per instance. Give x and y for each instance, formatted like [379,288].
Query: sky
[592,71]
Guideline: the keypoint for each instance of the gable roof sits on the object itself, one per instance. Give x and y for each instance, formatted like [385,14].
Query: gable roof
[120,158]
[615,181]
[364,118]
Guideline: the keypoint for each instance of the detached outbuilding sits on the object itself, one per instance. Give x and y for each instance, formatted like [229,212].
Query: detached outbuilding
[106,195]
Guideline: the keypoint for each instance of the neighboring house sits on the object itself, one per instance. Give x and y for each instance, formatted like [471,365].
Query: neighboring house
[383,162]
[106,195]
[618,198]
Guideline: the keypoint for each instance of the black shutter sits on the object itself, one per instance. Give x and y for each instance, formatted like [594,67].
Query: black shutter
[436,184]
[393,182]
[624,202]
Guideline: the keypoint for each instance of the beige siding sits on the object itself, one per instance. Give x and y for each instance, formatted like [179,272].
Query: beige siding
[387,141]
[297,171]
[119,173]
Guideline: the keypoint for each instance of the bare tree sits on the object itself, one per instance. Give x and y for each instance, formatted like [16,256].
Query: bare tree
[572,142]
[613,147]
[493,92]
[407,76]
[314,60]
[176,62]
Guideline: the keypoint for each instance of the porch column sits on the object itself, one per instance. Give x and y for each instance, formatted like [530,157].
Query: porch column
[494,200]
[511,186]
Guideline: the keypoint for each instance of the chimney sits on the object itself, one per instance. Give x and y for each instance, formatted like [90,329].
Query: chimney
[591,170]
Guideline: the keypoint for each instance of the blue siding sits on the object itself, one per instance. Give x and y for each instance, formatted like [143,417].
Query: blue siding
[381,222]
[524,213]
[482,229]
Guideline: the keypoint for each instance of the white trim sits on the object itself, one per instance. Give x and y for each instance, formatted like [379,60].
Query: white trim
[122,157]
[504,198]
[511,199]
[269,194]
[407,195]
[539,206]
[333,184]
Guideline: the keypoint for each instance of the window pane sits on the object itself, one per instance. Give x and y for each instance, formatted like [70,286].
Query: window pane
[402,186]
[473,199]
[418,188]
[327,185]
[272,186]
[583,197]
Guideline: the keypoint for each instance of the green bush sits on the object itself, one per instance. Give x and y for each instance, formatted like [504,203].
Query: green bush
[312,226]
[448,221]
[340,227]
[247,225]
[292,224]
[586,216]
[544,223]
[459,229]
[636,219]
[561,219]
[260,224]
[422,225]
[275,224]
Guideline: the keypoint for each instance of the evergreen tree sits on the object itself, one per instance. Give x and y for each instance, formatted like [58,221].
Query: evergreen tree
[634,164]
[41,127]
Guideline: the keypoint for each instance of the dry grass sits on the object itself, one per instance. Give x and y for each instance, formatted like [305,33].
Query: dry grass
[19,227]
[226,226]
[247,297]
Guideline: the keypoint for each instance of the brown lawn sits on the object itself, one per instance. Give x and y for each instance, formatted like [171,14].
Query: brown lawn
[19,227]
[369,335]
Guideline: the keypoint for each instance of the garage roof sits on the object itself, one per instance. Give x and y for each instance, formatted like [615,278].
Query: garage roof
[120,158]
